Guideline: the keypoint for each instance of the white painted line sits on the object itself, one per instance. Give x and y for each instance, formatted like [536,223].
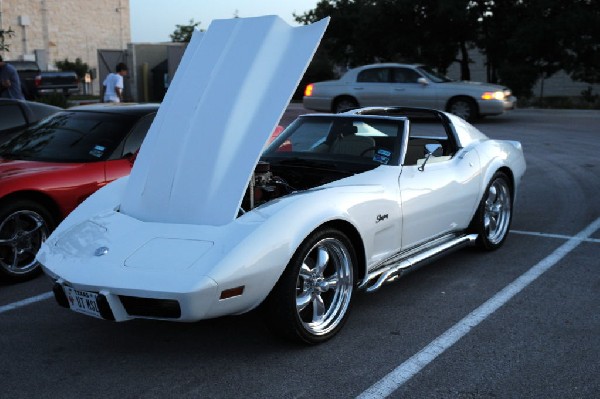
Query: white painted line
[25,302]
[547,235]
[395,379]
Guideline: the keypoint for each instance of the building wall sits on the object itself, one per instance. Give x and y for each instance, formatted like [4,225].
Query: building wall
[65,29]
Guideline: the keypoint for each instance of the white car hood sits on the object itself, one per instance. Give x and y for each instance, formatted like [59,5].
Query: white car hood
[228,94]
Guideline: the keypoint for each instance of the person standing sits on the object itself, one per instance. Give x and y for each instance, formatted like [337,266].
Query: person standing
[10,84]
[112,87]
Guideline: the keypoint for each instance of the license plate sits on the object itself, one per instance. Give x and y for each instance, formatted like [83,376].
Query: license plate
[82,301]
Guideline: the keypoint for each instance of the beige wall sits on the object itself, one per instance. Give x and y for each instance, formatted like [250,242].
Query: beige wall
[65,28]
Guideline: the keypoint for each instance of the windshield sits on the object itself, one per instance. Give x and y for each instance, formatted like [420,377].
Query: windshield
[70,137]
[433,75]
[334,138]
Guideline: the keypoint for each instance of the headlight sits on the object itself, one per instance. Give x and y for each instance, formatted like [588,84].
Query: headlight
[493,95]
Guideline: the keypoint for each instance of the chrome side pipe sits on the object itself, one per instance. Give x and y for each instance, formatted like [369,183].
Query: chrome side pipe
[403,263]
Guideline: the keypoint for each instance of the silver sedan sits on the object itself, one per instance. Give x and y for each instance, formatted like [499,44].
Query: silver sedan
[407,85]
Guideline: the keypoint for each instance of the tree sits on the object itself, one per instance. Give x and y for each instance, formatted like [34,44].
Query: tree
[366,31]
[183,33]
[79,67]
[582,41]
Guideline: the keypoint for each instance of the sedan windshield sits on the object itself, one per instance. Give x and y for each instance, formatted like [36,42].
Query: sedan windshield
[70,136]
[433,75]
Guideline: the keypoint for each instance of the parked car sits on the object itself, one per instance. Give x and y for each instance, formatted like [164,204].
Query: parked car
[62,82]
[16,115]
[407,85]
[35,82]
[51,167]
[339,202]
[29,72]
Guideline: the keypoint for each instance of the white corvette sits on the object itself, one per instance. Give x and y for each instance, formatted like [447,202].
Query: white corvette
[337,203]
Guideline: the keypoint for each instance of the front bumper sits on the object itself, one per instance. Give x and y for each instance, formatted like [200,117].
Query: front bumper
[121,305]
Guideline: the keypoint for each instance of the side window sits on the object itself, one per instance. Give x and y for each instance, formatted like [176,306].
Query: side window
[374,75]
[405,75]
[424,131]
[11,116]
[137,135]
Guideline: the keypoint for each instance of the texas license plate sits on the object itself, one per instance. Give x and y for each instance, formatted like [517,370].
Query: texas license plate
[82,301]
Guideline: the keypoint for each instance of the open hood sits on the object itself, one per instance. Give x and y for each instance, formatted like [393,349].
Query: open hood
[228,94]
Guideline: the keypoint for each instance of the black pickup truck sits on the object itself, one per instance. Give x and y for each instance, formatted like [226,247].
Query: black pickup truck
[35,82]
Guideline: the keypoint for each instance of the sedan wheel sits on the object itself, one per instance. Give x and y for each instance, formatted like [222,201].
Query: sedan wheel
[463,108]
[23,227]
[344,104]
[492,221]
[310,303]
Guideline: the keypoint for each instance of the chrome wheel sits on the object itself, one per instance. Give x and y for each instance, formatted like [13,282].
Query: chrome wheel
[311,301]
[324,286]
[497,213]
[21,235]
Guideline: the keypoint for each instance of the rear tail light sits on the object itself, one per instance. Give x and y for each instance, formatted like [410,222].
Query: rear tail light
[309,90]
[38,80]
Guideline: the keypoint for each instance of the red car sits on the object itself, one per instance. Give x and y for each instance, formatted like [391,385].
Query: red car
[50,168]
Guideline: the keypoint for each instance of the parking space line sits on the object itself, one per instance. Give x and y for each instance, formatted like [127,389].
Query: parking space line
[405,371]
[25,302]
[547,235]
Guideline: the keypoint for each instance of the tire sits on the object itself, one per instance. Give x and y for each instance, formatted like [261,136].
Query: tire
[24,225]
[463,107]
[311,301]
[344,104]
[494,215]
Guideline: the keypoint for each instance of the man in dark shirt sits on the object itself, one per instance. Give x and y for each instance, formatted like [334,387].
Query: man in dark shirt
[10,84]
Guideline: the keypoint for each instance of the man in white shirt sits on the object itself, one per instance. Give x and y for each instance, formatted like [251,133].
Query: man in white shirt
[112,88]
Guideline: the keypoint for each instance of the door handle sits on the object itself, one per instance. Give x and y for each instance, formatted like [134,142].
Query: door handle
[399,89]
[358,88]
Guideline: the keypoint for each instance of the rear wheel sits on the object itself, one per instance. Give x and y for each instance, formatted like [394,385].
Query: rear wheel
[463,107]
[492,220]
[344,104]
[24,225]
[311,300]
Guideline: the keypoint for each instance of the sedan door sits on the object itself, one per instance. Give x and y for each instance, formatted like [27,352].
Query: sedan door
[372,87]
[405,90]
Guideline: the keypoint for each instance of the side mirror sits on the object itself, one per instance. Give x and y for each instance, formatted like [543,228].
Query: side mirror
[423,81]
[131,157]
[433,149]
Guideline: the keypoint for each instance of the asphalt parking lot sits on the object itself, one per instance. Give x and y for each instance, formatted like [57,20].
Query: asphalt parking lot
[521,322]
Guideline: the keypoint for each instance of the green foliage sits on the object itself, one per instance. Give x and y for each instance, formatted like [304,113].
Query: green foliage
[523,41]
[183,33]
[5,34]
[79,67]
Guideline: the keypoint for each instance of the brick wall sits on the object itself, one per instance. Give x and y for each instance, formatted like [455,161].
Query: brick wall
[65,28]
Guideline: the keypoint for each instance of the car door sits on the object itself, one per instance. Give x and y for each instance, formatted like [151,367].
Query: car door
[372,87]
[441,195]
[405,90]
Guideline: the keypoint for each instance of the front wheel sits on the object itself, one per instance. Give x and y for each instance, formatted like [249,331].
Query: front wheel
[493,217]
[24,225]
[311,300]
[463,107]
